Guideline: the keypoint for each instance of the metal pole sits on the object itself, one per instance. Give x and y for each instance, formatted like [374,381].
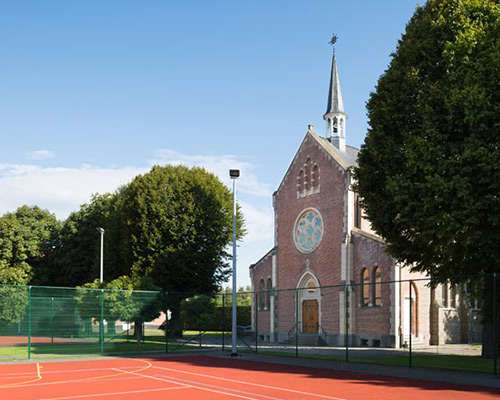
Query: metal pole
[256,327]
[29,322]
[52,320]
[410,312]
[495,344]
[101,275]
[102,323]
[347,323]
[166,322]
[235,322]
[297,323]
[223,322]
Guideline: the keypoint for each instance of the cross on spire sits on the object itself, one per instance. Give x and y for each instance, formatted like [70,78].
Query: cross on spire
[333,40]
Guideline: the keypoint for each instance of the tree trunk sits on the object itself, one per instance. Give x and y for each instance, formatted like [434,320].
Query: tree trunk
[138,333]
[490,310]
[175,324]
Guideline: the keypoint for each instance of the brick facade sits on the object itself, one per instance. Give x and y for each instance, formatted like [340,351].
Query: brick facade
[312,284]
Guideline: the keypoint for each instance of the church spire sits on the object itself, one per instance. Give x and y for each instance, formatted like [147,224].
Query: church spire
[335,116]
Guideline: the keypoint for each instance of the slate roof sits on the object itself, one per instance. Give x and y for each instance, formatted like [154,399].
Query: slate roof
[335,103]
[346,159]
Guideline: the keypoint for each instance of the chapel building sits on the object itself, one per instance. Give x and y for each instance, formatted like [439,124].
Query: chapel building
[328,277]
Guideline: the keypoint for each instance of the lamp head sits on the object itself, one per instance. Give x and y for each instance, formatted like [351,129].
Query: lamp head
[234,173]
[100,230]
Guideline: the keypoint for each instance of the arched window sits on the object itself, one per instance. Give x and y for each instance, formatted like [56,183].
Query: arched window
[335,125]
[444,295]
[357,211]
[453,296]
[307,175]
[414,309]
[262,298]
[268,293]
[300,183]
[365,288]
[315,177]
[377,289]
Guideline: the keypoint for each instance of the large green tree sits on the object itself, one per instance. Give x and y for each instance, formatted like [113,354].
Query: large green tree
[176,229]
[429,170]
[27,240]
[177,225]
[28,237]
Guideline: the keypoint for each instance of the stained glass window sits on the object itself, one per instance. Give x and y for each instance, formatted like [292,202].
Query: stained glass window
[308,231]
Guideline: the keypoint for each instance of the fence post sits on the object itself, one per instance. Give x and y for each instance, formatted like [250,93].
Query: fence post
[495,344]
[297,323]
[256,328]
[29,322]
[102,323]
[166,322]
[52,321]
[223,321]
[411,327]
[347,323]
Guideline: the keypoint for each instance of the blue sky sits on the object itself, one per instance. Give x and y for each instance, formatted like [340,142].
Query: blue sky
[94,92]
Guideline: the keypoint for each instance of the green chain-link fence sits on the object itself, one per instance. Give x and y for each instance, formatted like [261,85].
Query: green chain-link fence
[402,322]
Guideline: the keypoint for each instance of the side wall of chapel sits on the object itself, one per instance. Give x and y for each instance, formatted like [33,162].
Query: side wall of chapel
[373,317]
[261,277]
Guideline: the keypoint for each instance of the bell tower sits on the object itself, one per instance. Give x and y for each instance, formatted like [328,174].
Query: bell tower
[335,116]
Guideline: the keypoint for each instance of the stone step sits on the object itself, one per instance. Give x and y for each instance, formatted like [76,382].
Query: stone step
[305,340]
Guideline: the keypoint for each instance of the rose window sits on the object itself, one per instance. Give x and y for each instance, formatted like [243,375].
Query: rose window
[308,230]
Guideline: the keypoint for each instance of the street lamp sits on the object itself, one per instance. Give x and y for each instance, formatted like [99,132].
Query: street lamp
[234,174]
[101,276]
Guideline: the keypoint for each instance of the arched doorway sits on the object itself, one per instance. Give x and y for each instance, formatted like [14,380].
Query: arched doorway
[309,297]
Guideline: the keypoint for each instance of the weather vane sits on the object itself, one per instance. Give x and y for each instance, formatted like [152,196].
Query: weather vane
[333,40]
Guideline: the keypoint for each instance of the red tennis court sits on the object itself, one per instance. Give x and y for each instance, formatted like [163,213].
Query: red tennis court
[205,377]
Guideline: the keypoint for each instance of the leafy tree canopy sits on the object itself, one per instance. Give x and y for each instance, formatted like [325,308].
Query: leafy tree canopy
[77,258]
[177,225]
[429,171]
[27,239]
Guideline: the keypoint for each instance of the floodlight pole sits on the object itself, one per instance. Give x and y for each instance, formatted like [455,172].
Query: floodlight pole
[234,174]
[101,274]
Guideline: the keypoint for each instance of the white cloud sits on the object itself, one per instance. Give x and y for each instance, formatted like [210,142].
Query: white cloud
[60,190]
[218,164]
[41,155]
[258,221]
[63,190]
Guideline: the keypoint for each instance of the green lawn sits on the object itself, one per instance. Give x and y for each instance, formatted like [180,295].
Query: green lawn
[154,342]
[450,362]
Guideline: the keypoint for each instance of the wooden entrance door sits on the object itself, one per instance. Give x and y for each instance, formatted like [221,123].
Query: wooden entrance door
[310,316]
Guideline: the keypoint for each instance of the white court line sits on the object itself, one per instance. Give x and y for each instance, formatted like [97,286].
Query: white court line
[37,384]
[181,381]
[252,384]
[196,387]
[66,371]
[86,396]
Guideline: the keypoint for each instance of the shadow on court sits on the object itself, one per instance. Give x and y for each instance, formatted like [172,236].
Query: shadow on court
[363,381]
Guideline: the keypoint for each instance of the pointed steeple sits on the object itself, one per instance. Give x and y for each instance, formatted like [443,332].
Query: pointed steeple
[335,116]
[335,103]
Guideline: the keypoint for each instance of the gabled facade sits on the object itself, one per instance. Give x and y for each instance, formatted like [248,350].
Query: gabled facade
[328,275]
